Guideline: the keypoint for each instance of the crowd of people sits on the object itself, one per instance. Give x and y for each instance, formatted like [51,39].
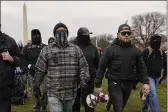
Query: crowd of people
[62,74]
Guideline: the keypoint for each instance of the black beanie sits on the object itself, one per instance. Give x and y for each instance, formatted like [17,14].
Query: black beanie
[58,26]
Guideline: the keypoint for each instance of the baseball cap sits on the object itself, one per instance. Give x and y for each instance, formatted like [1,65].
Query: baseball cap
[124,27]
[83,31]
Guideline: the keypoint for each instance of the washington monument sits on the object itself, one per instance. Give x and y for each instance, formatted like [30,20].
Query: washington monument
[25,29]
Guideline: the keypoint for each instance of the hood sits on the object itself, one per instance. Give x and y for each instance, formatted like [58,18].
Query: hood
[36,37]
[155,42]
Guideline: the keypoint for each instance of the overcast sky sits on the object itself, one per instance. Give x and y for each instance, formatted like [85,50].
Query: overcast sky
[98,16]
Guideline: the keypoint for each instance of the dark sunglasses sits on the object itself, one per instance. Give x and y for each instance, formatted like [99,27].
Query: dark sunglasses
[124,33]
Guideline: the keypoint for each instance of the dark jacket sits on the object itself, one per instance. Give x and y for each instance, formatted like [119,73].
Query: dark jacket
[121,61]
[7,68]
[92,57]
[155,62]
[30,54]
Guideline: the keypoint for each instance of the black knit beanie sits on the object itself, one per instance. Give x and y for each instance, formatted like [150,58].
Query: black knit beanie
[58,26]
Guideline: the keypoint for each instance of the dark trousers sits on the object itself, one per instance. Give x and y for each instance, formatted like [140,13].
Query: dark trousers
[39,102]
[5,99]
[81,95]
[76,105]
[119,93]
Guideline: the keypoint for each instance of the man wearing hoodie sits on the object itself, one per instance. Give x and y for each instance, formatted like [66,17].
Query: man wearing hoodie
[120,59]
[31,52]
[92,56]
[156,62]
[63,64]
[51,40]
[10,58]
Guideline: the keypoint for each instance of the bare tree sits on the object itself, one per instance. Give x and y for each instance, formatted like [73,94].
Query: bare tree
[146,25]
[103,40]
[164,43]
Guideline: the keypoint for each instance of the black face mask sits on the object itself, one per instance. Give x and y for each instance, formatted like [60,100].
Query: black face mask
[36,39]
[61,38]
[83,39]
[155,43]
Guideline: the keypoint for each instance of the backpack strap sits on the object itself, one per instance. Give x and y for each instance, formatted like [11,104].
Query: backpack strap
[150,51]
[161,53]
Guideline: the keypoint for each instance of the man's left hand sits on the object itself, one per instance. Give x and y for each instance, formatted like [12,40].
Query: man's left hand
[6,57]
[145,89]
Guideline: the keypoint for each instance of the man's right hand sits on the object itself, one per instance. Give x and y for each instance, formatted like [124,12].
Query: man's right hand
[98,90]
[29,66]
[145,89]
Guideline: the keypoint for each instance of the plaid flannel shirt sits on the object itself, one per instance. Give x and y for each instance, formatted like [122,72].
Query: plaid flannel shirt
[63,68]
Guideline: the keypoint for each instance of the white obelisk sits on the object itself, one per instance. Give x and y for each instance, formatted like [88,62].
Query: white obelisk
[25,29]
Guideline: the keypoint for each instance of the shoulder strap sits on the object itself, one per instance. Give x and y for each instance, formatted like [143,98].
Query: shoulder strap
[161,53]
[150,52]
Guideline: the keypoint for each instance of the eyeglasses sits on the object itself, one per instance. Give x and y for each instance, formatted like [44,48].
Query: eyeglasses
[124,33]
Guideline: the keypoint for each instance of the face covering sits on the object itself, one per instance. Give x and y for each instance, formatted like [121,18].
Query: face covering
[84,39]
[61,38]
[155,43]
[36,39]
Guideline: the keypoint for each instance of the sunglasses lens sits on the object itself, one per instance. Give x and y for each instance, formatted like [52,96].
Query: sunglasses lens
[124,33]
[129,33]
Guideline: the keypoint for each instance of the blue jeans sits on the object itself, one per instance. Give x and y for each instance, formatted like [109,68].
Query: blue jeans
[57,105]
[151,98]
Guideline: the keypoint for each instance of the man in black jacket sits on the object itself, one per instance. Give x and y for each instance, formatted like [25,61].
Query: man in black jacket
[92,57]
[10,57]
[156,62]
[120,58]
[31,52]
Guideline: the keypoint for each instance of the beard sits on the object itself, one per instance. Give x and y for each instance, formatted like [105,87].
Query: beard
[125,40]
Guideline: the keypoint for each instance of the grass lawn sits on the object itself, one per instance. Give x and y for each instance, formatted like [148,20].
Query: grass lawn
[133,105]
